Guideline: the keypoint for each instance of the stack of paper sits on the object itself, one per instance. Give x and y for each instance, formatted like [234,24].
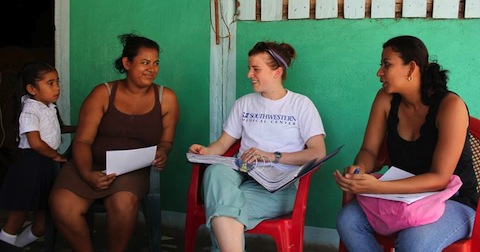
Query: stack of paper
[394,173]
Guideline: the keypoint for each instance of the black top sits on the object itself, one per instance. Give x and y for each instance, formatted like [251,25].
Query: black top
[416,156]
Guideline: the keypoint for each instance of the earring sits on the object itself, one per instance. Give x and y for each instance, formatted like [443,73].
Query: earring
[275,76]
[410,79]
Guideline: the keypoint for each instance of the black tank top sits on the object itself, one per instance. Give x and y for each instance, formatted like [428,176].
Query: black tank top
[416,156]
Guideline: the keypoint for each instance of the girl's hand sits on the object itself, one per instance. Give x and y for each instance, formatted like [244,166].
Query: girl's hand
[60,158]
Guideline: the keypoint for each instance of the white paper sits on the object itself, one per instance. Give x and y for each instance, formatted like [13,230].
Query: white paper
[212,159]
[123,161]
[394,173]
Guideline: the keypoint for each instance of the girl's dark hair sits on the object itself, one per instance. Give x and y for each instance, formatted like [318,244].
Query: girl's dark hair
[283,50]
[433,78]
[131,44]
[32,72]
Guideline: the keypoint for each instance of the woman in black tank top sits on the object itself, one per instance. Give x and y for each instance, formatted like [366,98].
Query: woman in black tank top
[426,130]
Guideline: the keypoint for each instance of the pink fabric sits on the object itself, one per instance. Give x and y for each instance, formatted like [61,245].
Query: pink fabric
[388,217]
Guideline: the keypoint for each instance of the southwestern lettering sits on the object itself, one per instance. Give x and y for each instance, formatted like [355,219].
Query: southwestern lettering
[263,117]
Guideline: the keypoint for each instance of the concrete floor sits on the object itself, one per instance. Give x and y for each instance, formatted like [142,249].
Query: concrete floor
[172,238]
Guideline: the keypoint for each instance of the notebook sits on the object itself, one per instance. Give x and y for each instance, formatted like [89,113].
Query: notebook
[272,176]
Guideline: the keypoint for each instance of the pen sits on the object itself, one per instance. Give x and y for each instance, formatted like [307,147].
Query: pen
[357,170]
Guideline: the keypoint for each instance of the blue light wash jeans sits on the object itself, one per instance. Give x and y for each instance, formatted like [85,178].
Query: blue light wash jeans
[455,224]
[227,192]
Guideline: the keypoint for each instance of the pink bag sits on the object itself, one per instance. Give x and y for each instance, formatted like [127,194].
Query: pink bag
[388,216]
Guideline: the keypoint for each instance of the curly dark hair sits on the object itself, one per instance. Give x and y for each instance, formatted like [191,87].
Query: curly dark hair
[433,78]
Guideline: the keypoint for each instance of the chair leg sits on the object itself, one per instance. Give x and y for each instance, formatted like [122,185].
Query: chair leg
[282,239]
[191,230]
[152,213]
[90,217]
[50,236]
[341,247]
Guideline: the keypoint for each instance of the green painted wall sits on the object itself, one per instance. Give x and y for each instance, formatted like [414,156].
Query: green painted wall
[336,67]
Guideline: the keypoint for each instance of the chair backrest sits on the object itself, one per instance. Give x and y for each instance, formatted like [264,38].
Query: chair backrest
[474,134]
[233,149]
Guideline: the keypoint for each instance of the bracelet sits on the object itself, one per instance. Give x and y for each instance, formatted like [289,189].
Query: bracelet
[265,157]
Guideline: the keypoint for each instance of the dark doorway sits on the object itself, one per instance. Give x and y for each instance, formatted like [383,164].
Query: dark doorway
[27,23]
[27,33]
[30,25]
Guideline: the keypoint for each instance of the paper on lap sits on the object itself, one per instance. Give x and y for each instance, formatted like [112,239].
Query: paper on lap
[124,161]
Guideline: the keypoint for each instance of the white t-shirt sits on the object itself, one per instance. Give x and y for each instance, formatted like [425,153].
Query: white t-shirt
[282,125]
[36,116]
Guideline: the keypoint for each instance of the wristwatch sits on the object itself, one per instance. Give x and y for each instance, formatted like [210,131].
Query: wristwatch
[278,155]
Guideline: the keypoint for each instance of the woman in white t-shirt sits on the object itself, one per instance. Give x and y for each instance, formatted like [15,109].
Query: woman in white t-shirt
[273,124]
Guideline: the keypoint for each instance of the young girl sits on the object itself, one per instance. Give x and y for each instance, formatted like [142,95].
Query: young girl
[29,179]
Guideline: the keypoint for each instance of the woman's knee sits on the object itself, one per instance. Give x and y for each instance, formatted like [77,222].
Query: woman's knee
[64,205]
[220,173]
[59,206]
[348,217]
[213,171]
[122,203]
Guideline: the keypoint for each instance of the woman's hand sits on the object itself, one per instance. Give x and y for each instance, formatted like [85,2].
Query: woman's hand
[352,169]
[355,183]
[253,155]
[99,180]
[198,149]
[160,160]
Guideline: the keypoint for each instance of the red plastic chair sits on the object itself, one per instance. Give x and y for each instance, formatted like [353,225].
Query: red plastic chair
[287,231]
[463,245]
